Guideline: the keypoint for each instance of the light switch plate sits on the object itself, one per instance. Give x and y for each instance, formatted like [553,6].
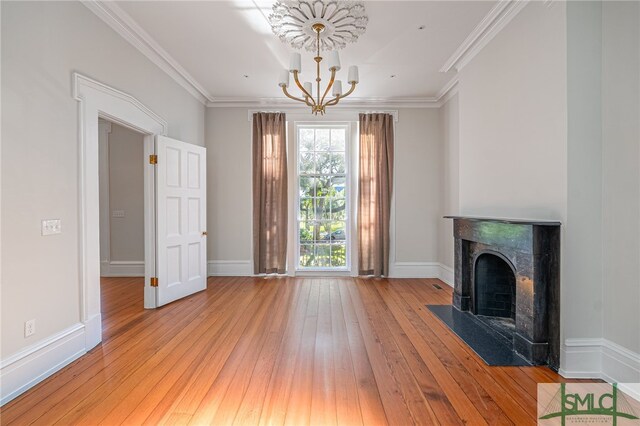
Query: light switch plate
[117,213]
[51,226]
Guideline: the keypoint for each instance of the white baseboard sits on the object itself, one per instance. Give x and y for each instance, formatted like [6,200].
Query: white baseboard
[414,270]
[35,363]
[422,270]
[446,274]
[230,268]
[122,268]
[597,358]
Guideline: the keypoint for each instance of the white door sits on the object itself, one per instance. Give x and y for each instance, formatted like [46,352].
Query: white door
[181,219]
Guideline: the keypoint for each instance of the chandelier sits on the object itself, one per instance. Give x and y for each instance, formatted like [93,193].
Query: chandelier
[318,25]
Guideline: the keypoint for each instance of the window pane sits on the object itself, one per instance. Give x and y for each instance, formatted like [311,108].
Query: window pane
[322,139]
[337,231]
[307,162]
[306,232]
[337,139]
[323,255]
[306,139]
[306,187]
[324,163]
[338,209]
[338,187]
[338,255]
[306,209]
[337,163]
[323,186]
[307,257]
[323,209]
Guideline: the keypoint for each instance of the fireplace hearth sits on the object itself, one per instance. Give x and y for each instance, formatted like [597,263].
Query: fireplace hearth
[507,275]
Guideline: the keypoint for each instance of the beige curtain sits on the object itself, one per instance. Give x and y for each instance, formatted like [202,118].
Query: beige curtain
[374,193]
[269,193]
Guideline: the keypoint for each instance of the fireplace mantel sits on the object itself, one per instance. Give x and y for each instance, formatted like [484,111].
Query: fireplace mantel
[532,249]
[509,221]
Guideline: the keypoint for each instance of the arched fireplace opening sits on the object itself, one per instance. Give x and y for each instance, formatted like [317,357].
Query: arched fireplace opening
[495,287]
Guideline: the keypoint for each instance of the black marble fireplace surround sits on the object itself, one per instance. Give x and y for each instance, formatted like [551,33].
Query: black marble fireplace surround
[508,272]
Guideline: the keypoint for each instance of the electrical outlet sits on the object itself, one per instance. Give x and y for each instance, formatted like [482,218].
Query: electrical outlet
[29,328]
[117,213]
[51,226]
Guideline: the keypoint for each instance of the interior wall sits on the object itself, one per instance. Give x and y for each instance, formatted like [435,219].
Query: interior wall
[126,193]
[513,119]
[417,185]
[582,253]
[42,44]
[229,189]
[621,174]
[450,191]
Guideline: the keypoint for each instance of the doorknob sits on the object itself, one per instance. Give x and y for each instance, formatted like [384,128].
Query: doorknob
[204,233]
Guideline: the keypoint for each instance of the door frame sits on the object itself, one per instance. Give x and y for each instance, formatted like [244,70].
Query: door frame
[98,100]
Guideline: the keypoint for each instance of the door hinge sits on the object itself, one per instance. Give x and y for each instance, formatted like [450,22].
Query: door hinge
[154,282]
[153,159]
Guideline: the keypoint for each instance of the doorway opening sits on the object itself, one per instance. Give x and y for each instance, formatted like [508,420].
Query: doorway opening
[122,239]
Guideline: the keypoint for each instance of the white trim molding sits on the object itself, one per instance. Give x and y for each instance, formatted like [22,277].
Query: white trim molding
[446,274]
[349,104]
[131,31]
[497,18]
[601,359]
[414,270]
[35,363]
[230,268]
[422,270]
[97,100]
[122,268]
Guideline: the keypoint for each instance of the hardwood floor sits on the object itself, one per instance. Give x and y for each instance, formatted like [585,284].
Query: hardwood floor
[281,351]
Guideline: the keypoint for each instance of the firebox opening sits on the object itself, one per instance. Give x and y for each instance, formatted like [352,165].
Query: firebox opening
[495,287]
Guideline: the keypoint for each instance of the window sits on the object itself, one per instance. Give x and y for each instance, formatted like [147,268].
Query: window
[323,197]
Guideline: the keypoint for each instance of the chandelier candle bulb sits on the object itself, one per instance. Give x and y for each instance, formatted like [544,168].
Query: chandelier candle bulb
[334,60]
[308,87]
[353,74]
[337,88]
[284,78]
[295,64]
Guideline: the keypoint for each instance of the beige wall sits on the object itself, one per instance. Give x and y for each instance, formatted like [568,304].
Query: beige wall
[582,251]
[621,173]
[126,192]
[42,44]
[513,120]
[228,142]
[417,184]
[450,190]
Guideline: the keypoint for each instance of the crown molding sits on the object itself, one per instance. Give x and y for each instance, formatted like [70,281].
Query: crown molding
[448,91]
[130,30]
[497,18]
[114,16]
[351,103]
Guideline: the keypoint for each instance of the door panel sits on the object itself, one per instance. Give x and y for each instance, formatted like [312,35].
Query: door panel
[181,219]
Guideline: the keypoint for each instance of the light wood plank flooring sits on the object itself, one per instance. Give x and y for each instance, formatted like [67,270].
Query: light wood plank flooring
[281,351]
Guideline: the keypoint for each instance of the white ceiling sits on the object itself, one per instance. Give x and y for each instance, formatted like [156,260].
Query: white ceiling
[219,42]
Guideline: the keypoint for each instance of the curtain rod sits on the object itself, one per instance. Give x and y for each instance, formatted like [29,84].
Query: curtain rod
[330,114]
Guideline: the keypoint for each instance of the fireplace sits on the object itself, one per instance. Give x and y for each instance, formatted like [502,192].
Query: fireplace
[495,287]
[507,275]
